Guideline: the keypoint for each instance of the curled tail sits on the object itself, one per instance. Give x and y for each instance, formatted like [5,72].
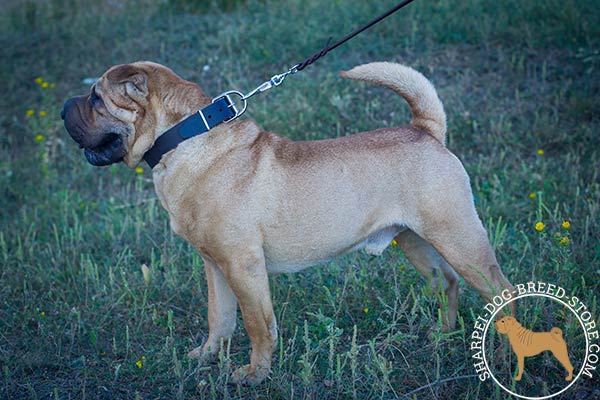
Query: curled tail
[556,333]
[426,108]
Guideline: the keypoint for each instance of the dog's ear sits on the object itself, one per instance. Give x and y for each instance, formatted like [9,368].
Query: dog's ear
[134,79]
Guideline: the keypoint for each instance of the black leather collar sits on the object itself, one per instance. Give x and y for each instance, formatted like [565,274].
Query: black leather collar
[220,110]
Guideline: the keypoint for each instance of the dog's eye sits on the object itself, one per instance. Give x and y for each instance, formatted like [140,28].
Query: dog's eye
[94,98]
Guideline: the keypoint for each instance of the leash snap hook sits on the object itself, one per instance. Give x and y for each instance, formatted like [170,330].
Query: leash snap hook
[275,80]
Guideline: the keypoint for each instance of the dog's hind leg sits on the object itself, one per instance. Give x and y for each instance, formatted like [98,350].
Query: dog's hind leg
[449,222]
[222,307]
[435,269]
[562,355]
[471,255]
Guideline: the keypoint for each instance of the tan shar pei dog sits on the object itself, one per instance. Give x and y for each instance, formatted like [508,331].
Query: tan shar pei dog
[252,202]
[526,343]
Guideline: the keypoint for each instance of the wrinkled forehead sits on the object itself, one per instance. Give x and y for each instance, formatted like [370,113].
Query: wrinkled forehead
[109,90]
[121,72]
[114,75]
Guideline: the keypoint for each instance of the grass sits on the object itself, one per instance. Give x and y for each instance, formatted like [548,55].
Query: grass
[77,317]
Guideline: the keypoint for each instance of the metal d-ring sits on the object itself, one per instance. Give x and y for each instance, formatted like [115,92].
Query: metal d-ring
[232,105]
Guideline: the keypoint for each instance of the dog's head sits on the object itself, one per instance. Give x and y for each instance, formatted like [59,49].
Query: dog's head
[126,110]
[505,324]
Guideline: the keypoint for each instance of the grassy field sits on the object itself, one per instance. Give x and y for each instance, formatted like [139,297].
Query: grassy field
[520,81]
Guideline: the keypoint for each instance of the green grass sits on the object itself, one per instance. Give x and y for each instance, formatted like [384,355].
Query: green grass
[76,315]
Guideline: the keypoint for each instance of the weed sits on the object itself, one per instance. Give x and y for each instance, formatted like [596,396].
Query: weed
[98,298]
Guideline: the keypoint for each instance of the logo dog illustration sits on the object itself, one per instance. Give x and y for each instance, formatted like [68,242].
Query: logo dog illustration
[526,343]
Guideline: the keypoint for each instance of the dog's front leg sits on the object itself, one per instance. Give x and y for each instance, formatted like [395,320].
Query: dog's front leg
[520,366]
[222,307]
[247,276]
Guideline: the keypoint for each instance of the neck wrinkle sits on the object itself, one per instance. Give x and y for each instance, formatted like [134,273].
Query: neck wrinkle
[184,101]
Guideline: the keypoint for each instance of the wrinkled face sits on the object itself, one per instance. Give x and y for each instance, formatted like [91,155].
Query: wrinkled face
[504,324]
[103,122]
[127,109]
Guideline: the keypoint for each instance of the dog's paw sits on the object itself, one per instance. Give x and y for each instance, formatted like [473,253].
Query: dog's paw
[196,353]
[569,377]
[248,375]
[203,354]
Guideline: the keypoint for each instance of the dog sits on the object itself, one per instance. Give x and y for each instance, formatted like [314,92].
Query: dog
[526,343]
[252,202]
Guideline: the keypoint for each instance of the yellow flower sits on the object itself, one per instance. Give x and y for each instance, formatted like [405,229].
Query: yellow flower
[539,226]
[42,113]
[366,310]
[540,152]
[139,363]
[566,224]
[39,138]
[394,243]
[43,313]
[29,113]
[565,241]
[52,85]
[45,85]
[39,80]
[143,358]
[139,170]
[532,195]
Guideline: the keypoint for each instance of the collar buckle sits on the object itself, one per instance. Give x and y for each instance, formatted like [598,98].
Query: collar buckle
[227,96]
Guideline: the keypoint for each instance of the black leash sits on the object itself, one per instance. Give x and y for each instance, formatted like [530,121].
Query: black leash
[224,109]
[327,48]
[276,80]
